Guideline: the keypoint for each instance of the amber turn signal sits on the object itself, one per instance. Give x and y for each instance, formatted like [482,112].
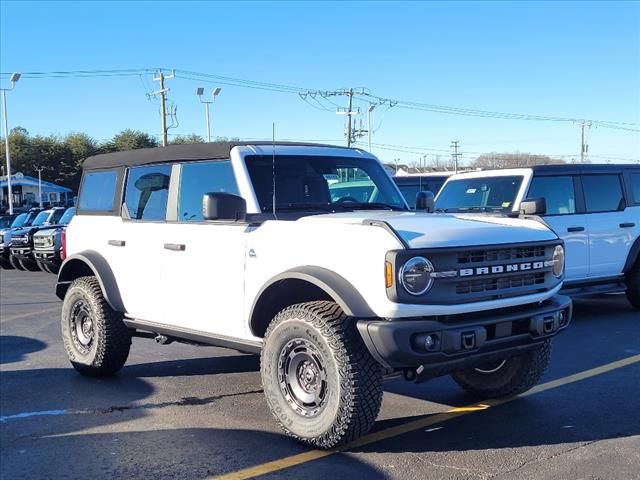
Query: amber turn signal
[388,274]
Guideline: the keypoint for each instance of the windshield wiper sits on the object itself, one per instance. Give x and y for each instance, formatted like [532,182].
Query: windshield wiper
[368,206]
[303,206]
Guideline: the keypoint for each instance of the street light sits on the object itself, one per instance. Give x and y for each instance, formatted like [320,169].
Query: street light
[14,78]
[214,94]
[369,110]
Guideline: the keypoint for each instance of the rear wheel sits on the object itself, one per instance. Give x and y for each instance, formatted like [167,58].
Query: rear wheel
[320,381]
[96,339]
[633,285]
[506,378]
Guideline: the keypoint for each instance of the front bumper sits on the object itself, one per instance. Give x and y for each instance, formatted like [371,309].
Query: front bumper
[463,341]
[48,256]
[21,253]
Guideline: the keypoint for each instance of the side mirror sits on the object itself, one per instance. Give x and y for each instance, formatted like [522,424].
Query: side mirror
[425,201]
[223,206]
[533,206]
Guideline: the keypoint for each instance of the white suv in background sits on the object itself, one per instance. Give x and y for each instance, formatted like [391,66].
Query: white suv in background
[595,209]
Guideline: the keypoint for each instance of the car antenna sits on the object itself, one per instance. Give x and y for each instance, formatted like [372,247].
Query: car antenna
[273,168]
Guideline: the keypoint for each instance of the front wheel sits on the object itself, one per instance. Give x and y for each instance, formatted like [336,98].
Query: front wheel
[633,285]
[96,339]
[320,381]
[506,378]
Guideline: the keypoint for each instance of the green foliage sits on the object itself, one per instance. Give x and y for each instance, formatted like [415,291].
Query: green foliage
[186,139]
[61,157]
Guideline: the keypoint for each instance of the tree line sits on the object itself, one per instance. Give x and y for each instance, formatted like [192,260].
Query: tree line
[60,157]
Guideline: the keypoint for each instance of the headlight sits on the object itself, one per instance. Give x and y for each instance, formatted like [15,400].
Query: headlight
[558,261]
[415,275]
[49,241]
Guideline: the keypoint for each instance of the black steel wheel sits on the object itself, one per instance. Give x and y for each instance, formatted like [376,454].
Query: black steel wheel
[320,381]
[96,339]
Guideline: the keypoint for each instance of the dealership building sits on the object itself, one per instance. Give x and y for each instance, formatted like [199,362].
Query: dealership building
[25,192]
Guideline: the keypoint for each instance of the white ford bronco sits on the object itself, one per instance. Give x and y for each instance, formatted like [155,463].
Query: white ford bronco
[249,246]
[595,209]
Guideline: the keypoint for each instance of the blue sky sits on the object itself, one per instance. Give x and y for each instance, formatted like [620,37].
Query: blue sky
[569,59]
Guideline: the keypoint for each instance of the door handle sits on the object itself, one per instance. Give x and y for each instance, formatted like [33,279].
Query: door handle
[176,247]
[575,229]
[117,243]
[627,225]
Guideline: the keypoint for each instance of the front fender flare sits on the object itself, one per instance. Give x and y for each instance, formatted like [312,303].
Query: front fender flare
[76,266]
[337,287]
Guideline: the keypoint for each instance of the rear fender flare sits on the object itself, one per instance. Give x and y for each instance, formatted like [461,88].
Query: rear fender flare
[87,263]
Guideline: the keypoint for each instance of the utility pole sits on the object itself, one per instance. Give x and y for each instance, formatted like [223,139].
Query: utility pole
[40,185]
[584,148]
[349,113]
[455,144]
[163,102]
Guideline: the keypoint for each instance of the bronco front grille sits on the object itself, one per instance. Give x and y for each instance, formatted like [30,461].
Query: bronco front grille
[504,254]
[501,283]
[40,242]
[20,241]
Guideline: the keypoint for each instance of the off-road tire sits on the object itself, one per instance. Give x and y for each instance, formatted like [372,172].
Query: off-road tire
[632,279]
[29,265]
[108,348]
[516,376]
[15,263]
[4,263]
[45,267]
[353,392]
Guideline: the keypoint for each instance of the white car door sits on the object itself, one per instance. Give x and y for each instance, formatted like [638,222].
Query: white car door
[138,241]
[203,262]
[612,226]
[563,217]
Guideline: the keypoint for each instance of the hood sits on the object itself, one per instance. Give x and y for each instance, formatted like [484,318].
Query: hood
[435,230]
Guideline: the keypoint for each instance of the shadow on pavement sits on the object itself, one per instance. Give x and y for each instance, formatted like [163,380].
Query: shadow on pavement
[15,349]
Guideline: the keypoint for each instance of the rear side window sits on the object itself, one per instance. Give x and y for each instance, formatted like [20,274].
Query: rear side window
[147,191]
[199,178]
[558,192]
[98,191]
[602,193]
[635,187]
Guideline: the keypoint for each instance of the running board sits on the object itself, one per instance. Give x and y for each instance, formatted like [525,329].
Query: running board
[205,338]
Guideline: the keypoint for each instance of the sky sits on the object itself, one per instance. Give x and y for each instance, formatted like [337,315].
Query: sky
[555,59]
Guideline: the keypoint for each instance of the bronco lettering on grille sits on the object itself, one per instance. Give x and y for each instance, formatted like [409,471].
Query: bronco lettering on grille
[495,269]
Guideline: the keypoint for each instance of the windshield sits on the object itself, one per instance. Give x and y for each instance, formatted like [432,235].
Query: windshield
[19,221]
[68,215]
[479,194]
[41,218]
[322,183]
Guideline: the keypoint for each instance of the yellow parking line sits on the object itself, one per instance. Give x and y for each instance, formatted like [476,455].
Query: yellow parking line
[391,432]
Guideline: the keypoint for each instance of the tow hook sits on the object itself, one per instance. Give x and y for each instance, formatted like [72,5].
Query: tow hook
[163,340]
[468,340]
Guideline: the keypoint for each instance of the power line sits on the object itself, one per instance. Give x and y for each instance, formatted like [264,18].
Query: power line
[362,92]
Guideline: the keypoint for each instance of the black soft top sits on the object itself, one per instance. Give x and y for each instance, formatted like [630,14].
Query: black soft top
[175,153]
[575,169]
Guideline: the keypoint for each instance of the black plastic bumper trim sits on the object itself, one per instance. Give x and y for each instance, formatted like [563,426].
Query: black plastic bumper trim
[393,342]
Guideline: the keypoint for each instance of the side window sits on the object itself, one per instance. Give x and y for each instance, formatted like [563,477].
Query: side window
[558,192]
[147,191]
[635,187]
[200,178]
[602,193]
[98,191]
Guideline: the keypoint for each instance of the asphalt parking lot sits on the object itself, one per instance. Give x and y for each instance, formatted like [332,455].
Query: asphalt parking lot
[179,411]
